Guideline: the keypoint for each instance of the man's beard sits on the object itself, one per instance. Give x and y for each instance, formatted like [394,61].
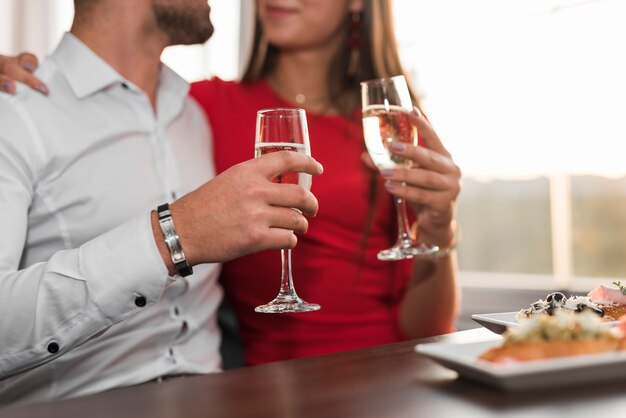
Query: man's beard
[183,25]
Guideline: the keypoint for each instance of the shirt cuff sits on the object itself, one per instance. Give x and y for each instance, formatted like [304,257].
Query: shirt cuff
[123,269]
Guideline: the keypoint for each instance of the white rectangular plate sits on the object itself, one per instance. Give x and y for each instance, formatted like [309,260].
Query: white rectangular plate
[530,375]
[498,322]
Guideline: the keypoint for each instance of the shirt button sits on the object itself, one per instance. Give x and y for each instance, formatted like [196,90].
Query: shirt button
[140,301]
[53,348]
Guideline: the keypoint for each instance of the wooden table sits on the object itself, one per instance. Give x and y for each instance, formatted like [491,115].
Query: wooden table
[385,381]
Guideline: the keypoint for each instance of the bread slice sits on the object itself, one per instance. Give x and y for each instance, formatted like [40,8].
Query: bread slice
[614,311]
[536,350]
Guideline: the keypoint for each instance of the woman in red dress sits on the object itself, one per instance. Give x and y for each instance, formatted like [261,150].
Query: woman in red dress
[313,54]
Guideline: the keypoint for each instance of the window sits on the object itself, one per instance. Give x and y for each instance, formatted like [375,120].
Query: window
[528,95]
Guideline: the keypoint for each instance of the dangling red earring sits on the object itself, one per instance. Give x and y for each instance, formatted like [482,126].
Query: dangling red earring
[354,43]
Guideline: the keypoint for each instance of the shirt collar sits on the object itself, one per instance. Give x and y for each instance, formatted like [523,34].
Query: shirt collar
[87,73]
[171,94]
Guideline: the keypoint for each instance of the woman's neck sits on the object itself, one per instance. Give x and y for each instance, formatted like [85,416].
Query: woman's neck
[301,77]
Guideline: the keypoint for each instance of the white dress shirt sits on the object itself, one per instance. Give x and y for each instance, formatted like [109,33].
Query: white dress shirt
[80,171]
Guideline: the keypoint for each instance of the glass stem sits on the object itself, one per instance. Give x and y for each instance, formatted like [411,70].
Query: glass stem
[404,231]
[286,280]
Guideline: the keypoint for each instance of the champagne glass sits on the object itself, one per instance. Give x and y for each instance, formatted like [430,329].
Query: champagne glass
[283,129]
[386,107]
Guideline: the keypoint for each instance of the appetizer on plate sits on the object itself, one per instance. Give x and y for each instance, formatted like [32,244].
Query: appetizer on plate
[557,301]
[608,303]
[564,333]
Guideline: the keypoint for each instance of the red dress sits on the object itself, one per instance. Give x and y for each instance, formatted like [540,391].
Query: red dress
[359,295]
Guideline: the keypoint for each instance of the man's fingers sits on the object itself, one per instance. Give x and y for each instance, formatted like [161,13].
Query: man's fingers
[292,196]
[280,162]
[287,218]
[278,239]
[28,61]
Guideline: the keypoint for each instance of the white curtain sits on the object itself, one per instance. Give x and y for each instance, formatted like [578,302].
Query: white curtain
[37,26]
[33,25]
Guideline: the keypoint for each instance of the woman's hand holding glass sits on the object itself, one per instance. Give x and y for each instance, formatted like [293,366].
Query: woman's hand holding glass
[425,176]
[430,186]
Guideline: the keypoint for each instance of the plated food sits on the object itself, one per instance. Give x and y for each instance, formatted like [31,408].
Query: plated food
[607,303]
[557,301]
[557,341]
[563,333]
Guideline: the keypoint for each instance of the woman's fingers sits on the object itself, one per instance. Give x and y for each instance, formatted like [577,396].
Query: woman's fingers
[20,69]
[418,177]
[433,198]
[28,61]
[423,188]
[424,157]
[434,180]
[7,85]
[427,134]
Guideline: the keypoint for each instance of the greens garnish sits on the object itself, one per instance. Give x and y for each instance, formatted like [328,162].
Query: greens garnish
[621,287]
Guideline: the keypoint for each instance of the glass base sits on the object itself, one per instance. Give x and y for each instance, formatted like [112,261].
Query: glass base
[408,249]
[286,305]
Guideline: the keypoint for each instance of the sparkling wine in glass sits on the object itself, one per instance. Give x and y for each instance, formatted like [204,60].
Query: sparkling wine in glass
[284,129]
[386,109]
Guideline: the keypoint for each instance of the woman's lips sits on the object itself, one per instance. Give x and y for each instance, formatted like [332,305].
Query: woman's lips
[278,11]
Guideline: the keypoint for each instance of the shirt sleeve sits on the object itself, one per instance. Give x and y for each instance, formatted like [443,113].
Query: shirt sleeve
[49,308]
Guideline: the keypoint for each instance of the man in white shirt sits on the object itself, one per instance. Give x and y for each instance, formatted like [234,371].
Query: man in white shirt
[90,298]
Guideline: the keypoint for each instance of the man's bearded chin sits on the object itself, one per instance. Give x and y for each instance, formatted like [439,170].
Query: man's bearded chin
[184,27]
